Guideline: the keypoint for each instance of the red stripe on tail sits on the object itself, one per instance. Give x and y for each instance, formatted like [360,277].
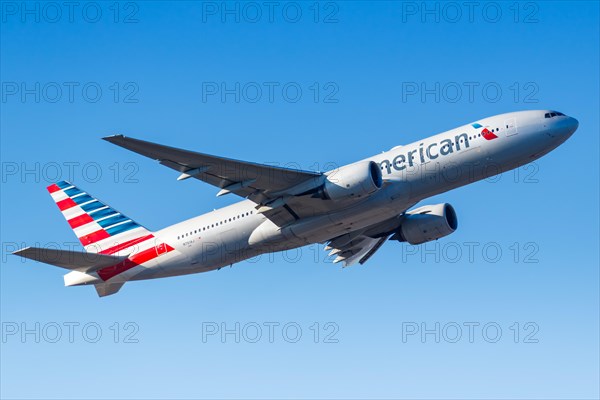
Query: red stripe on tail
[80,220]
[65,204]
[94,237]
[53,188]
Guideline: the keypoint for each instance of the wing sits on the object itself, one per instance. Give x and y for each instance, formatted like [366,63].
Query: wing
[358,246]
[243,178]
[274,189]
[351,249]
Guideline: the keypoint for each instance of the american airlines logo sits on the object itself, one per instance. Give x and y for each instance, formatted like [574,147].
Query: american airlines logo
[486,133]
[426,153]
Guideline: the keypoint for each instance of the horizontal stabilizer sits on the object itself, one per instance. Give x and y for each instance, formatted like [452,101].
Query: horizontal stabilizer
[71,260]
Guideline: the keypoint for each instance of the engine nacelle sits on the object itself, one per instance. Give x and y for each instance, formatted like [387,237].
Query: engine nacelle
[352,181]
[428,223]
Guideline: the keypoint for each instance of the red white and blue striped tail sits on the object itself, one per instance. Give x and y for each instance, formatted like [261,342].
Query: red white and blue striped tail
[99,227]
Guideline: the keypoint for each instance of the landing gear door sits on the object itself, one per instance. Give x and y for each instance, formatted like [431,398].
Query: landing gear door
[510,126]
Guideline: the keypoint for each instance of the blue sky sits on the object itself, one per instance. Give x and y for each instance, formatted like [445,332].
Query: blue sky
[343,78]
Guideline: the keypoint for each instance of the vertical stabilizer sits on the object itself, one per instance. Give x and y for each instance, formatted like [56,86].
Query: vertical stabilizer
[99,227]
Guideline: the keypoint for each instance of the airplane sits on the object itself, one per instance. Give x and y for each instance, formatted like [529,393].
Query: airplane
[353,209]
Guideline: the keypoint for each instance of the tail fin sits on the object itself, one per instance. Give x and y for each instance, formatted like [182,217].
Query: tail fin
[99,228]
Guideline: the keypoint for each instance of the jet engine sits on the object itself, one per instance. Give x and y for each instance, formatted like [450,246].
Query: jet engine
[427,223]
[352,182]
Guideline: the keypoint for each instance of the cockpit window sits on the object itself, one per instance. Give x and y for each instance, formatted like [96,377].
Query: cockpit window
[553,114]
[547,115]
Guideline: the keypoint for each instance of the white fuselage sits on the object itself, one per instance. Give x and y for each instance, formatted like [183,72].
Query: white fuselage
[411,173]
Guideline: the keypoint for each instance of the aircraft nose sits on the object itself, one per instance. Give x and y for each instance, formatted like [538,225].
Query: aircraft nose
[573,125]
[564,128]
[568,127]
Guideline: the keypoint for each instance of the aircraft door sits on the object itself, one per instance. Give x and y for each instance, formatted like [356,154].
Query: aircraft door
[510,127]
